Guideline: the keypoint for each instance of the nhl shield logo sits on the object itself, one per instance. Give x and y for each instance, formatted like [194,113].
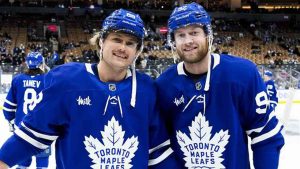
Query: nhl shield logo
[112,87]
[198,86]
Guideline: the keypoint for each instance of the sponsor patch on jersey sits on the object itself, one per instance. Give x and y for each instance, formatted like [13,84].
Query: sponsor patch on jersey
[179,101]
[114,151]
[200,148]
[84,101]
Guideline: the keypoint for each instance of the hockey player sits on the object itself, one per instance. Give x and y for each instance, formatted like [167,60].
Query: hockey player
[213,102]
[23,97]
[98,113]
[271,89]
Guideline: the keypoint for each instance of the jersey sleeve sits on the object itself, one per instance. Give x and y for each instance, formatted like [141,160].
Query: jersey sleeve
[41,126]
[160,152]
[16,150]
[47,120]
[261,123]
[10,103]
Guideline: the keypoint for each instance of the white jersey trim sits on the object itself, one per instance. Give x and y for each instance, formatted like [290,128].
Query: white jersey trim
[10,110]
[180,69]
[30,140]
[166,143]
[267,135]
[128,74]
[162,157]
[257,130]
[10,103]
[216,59]
[89,69]
[39,135]
[23,167]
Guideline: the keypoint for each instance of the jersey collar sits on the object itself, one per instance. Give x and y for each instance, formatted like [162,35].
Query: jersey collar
[92,69]
[215,61]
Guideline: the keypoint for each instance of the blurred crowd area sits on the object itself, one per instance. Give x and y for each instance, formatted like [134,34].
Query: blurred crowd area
[273,44]
[215,5]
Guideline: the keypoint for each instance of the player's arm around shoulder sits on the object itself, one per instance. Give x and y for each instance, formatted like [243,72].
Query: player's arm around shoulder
[3,165]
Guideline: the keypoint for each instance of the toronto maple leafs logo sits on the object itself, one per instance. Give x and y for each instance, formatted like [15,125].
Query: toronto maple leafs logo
[112,152]
[199,149]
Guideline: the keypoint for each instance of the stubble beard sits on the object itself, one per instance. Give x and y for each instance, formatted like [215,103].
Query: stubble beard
[200,55]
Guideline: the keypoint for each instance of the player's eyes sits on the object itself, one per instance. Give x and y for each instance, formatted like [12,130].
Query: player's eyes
[131,44]
[117,40]
[194,33]
[181,35]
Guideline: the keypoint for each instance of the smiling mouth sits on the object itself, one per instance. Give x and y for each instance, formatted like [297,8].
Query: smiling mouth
[189,49]
[120,56]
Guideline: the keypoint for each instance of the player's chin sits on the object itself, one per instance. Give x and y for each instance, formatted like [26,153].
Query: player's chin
[191,59]
[188,56]
[122,64]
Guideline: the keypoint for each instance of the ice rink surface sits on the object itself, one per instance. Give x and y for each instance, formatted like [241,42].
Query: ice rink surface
[289,158]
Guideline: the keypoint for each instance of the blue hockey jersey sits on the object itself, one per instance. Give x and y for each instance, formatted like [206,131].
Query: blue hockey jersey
[209,129]
[22,96]
[272,93]
[93,123]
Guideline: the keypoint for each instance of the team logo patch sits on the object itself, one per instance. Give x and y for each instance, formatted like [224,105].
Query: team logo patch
[200,150]
[113,151]
[112,87]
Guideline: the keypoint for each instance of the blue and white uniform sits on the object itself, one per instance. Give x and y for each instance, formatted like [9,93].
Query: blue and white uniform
[93,123]
[272,93]
[20,100]
[209,129]
[22,96]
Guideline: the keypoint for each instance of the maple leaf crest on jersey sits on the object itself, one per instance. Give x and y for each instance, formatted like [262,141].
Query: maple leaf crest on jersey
[200,150]
[113,151]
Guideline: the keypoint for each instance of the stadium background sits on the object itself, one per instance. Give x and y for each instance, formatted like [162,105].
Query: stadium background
[264,31]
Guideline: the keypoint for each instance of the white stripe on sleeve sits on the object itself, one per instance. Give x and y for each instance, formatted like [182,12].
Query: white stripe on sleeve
[257,130]
[160,158]
[30,140]
[9,110]
[160,146]
[267,135]
[39,135]
[10,103]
